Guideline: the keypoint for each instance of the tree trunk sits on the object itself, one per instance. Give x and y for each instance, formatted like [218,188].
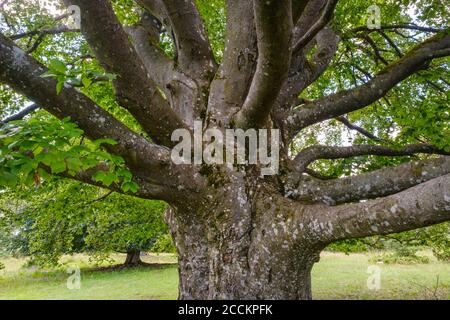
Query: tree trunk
[133,258]
[287,279]
[241,247]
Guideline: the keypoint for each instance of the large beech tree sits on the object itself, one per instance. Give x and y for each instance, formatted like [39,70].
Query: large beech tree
[240,235]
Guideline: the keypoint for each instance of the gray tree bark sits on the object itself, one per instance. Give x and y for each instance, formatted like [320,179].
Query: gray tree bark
[133,258]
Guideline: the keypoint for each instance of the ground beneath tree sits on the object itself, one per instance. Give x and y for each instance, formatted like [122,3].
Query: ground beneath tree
[125,266]
[336,276]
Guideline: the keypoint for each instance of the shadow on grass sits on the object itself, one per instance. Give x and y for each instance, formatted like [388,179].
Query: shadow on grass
[141,265]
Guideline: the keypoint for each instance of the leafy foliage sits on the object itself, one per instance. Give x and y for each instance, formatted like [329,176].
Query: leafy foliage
[396,258]
[66,217]
[31,149]
[164,244]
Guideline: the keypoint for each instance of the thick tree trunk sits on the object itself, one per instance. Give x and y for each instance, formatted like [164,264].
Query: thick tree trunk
[271,281]
[133,258]
[239,247]
[248,268]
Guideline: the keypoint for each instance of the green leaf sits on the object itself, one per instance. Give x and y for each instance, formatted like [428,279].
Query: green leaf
[59,86]
[58,66]
[58,167]
[7,179]
[99,176]
[110,178]
[130,186]
[74,164]
[49,74]
[86,81]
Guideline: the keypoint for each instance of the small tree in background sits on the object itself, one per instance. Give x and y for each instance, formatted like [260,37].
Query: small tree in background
[65,218]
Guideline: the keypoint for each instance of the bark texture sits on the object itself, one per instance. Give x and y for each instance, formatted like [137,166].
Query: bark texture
[133,258]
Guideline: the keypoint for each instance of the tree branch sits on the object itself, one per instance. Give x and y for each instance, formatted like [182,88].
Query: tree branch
[23,74]
[317,175]
[362,96]
[417,207]
[303,72]
[310,15]
[298,7]
[376,50]
[231,84]
[317,26]
[146,189]
[354,127]
[158,65]
[397,26]
[273,21]
[134,88]
[157,9]
[21,114]
[375,184]
[49,31]
[311,154]
[241,52]
[195,56]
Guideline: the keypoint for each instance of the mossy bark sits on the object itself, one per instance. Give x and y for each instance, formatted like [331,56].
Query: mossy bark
[230,248]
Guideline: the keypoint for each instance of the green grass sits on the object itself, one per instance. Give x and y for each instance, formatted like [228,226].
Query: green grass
[336,276]
[134,283]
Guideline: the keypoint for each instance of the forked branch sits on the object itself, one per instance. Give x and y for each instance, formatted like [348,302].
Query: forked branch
[273,20]
[134,88]
[420,206]
[375,184]
[347,101]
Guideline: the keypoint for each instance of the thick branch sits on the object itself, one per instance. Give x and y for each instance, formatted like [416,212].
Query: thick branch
[303,72]
[134,88]
[317,26]
[362,96]
[146,189]
[23,74]
[156,8]
[375,184]
[417,207]
[273,21]
[241,52]
[298,7]
[311,154]
[159,66]
[195,56]
[232,82]
[310,15]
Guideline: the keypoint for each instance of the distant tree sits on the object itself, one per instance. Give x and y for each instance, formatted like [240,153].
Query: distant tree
[66,217]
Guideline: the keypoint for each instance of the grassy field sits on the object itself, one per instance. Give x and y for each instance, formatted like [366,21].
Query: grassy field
[336,276]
